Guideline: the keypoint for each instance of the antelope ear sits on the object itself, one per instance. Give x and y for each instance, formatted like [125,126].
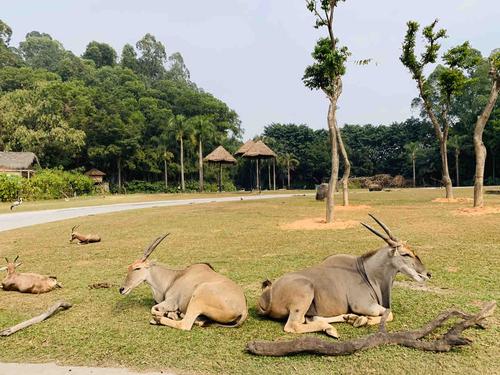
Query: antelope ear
[3,269]
[266,283]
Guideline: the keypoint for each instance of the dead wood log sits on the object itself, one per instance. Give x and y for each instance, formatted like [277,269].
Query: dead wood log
[37,319]
[410,339]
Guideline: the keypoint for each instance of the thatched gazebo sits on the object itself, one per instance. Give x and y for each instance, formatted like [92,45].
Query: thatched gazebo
[220,156]
[18,163]
[259,150]
[244,148]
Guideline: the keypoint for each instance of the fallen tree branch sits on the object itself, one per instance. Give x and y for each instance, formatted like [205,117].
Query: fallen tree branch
[37,319]
[410,339]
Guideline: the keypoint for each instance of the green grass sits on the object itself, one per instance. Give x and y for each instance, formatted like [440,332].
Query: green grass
[243,241]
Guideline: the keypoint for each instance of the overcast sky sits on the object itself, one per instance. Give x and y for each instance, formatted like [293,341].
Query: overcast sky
[252,53]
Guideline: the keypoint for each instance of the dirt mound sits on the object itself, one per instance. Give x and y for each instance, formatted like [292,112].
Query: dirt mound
[454,200]
[317,223]
[477,211]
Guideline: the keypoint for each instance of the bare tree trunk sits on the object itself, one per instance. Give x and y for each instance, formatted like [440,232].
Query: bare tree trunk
[183,185]
[446,173]
[414,174]
[200,164]
[119,166]
[334,172]
[166,173]
[479,148]
[288,171]
[220,177]
[457,170]
[347,167]
[274,173]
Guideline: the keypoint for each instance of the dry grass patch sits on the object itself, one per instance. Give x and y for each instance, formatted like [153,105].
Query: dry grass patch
[317,223]
[452,200]
[477,211]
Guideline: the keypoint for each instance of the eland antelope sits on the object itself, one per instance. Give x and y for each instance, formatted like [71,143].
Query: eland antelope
[27,282]
[342,288]
[193,294]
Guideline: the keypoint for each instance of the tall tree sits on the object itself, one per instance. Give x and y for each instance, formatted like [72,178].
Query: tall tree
[456,142]
[443,86]
[39,50]
[101,54]
[153,57]
[291,163]
[326,74]
[181,129]
[413,148]
[482,119]
[203,131]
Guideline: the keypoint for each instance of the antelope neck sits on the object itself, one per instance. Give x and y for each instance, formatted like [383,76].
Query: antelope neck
[160,279]
[378,272]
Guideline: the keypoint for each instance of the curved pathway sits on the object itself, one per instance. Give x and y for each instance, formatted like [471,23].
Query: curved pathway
[24,219]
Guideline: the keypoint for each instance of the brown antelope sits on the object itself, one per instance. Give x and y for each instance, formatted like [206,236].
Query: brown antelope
[342,288]
[193,292]
[27,282]
[83,239]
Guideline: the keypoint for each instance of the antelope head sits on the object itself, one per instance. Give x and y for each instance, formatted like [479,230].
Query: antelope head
[138,271]
[402,258]
[11,266]
[74,234]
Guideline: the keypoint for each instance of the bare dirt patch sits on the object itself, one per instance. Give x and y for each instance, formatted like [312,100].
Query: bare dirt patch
[358,207]
[452,200]
[477,211]
[317,223]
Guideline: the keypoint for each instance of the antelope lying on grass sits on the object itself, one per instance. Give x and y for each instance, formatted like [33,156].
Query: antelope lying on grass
[83,239]
[194,293]
[27,282]
[343,288]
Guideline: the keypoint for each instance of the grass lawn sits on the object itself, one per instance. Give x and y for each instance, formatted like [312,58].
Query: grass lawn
[243,241]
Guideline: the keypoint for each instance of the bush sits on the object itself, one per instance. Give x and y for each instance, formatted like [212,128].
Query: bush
[45,184]
[137,186]
[10,187]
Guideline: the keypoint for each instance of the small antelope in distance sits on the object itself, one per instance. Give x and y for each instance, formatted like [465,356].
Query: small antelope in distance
[27,282]
[342,288]
[16,203]
[194,294]
[83,239]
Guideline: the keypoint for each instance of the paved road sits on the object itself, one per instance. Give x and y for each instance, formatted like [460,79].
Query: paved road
[53,369]
[24,219]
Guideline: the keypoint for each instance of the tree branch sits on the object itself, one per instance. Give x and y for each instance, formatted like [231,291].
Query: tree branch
[37,319]
[408,339]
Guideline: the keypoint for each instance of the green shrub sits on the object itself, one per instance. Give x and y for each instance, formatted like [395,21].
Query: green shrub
[137,186]
[10,187]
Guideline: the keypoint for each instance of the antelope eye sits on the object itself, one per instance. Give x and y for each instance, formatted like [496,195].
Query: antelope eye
[406,255]
[137,269]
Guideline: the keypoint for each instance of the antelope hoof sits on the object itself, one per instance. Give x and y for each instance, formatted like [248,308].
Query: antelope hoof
[350,318]
[332,332]
[360,321]
[153,322]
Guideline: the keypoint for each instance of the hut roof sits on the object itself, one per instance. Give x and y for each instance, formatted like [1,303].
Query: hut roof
[95,172]
[220,155]
[16,160]
[259,150]
[246,146]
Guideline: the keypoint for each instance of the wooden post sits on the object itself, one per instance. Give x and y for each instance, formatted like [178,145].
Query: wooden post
[257,174]
[274,173]
[220,177]
[166,175]
[269,174]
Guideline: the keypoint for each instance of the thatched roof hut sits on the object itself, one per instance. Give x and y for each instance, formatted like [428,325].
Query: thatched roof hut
[246,146]
[18,163]
[220,156]
[259,150]
[96,175]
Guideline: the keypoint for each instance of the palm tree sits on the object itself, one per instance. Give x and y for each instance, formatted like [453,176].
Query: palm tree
[456,142]
[291,164]
[413,149]
[181,130]
[167,158]
[204,130]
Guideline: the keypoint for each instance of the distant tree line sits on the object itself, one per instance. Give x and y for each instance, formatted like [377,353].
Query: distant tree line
[129,115]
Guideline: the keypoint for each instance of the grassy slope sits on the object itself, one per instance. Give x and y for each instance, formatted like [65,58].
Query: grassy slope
[242,240]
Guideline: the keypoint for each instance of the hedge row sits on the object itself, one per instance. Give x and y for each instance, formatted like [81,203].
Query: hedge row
[45,184]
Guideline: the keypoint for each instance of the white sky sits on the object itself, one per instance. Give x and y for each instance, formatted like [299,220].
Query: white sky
[252,53]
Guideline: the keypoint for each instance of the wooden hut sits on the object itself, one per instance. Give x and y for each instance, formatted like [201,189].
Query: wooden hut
[18,163]
[246,146]
[96,175]
[220,156]
[259,150]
